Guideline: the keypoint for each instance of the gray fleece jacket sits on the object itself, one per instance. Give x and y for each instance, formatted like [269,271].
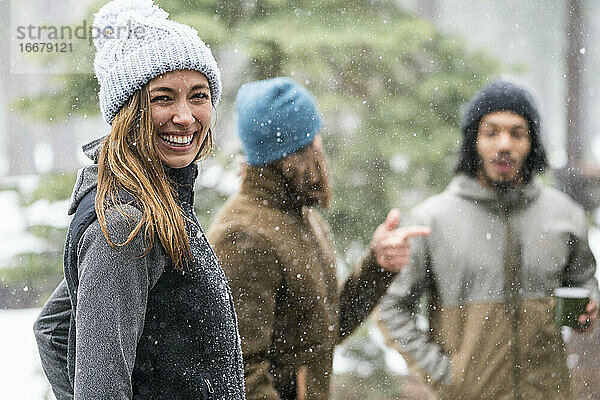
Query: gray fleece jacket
[488,270]
[133,327]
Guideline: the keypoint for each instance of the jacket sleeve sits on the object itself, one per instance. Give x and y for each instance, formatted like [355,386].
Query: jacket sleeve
[360,293]
[255,275]
[111,307]
[581,268]
[397,319]
[51,330]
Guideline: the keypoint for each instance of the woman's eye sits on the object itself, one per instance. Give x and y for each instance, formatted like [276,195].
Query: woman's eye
[159,98]
[200,96]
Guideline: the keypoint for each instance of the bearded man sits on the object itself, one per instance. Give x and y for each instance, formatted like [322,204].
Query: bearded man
[500,243]
[278,254]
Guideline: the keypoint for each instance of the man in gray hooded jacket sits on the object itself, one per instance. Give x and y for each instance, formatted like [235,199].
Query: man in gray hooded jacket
[500,244]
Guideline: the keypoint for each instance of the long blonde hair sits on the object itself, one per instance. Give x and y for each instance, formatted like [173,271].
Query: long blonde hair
[129,161]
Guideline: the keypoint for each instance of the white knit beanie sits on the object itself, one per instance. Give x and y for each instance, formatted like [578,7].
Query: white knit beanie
[135,43]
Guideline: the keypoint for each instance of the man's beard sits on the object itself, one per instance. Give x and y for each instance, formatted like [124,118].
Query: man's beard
[499,186]
[318,194]
[307,173]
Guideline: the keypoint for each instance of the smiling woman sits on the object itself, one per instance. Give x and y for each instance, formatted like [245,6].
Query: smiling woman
[138,317]
[181,112]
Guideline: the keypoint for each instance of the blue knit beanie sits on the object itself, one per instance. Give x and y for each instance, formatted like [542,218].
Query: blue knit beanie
[275,117]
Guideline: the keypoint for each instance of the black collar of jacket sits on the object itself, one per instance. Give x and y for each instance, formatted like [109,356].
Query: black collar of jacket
[182,180]
[268,186]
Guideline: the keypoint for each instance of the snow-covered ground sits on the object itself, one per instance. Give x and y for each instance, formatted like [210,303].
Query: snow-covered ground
[21,375]
[14,237]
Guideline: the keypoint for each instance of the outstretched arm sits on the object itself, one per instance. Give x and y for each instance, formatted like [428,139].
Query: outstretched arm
[390,252]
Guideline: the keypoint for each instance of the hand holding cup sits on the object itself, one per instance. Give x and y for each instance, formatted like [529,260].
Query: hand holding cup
[574,308]
[589,317]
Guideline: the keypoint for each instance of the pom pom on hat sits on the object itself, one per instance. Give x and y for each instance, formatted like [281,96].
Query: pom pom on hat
[115,13]
[136,42]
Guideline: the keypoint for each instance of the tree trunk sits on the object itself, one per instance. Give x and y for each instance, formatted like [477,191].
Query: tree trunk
[574,68]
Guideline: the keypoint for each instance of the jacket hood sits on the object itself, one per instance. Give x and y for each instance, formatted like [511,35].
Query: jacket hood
[470,189]
[87,177]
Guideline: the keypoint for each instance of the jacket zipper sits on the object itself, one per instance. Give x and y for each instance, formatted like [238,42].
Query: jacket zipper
[512,271]
[208,390]
[238,356]
[209,387]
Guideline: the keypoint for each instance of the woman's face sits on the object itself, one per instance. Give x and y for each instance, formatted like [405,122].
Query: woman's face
[181,109]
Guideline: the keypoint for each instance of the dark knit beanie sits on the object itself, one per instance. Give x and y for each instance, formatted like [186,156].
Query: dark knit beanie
[501,95]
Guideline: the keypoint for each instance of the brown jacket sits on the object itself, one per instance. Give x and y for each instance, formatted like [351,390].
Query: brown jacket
[281,265]
[489,268]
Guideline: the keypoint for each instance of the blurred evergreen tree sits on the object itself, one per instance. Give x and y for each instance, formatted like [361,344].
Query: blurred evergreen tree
[390,87]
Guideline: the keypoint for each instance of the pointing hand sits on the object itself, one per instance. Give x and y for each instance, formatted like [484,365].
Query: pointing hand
[391,244]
